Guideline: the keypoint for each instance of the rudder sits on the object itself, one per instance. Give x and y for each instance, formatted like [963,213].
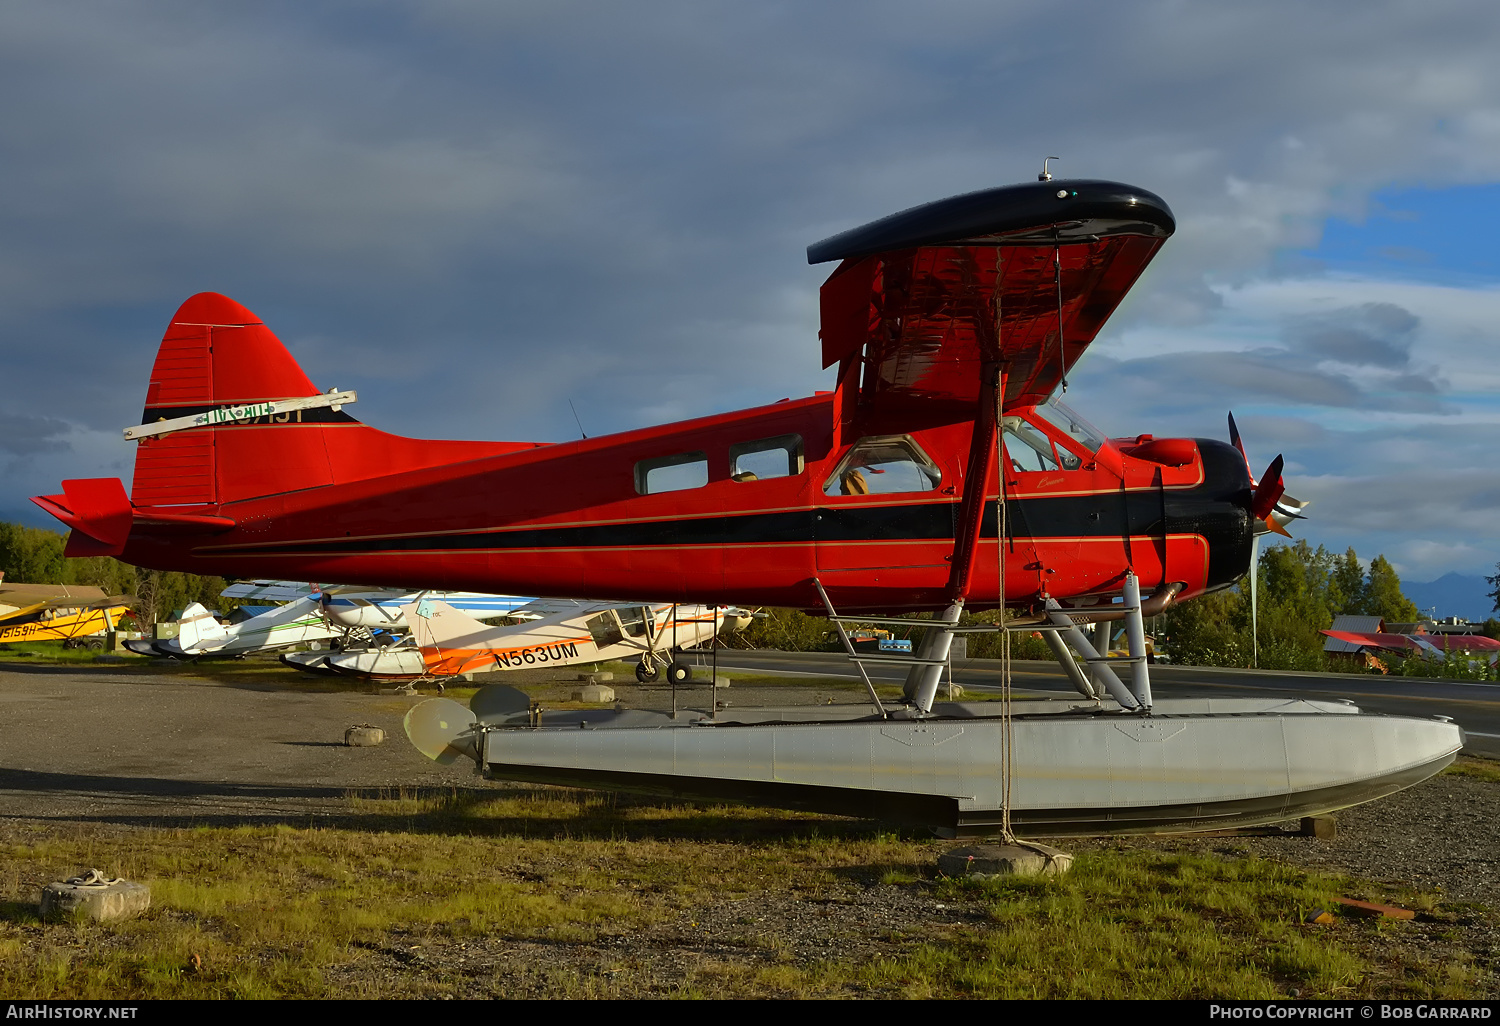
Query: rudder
[217,353]
[217,357]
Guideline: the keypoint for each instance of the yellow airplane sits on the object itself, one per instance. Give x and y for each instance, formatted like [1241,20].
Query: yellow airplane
[84,623]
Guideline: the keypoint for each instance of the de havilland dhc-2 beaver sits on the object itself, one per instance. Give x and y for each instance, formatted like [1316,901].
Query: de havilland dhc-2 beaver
[936,476]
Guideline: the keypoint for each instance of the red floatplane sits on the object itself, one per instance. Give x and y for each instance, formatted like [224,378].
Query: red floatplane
[936,475]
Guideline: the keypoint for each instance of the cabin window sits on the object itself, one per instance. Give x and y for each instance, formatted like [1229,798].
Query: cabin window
[769,457]
[671,473]
[1027,449]
[605,629]
[883,465]
[633,620]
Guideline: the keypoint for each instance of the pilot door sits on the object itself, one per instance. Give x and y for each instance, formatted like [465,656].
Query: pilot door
[1068,508]
[885,517]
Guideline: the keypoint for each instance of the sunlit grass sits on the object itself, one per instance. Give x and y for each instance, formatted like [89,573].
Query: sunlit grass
[291,911]
[54,652]
[1473,766]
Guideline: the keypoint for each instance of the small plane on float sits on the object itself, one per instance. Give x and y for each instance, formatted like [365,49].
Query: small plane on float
[446,643]
[936,476]
[347,617]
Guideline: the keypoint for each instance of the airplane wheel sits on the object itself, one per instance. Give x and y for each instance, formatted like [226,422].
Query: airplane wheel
[96,645]
[679,673]
[646,676]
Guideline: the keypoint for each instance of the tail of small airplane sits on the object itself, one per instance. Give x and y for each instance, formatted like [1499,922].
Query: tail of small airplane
[198,630]
[230,416]
[437,625]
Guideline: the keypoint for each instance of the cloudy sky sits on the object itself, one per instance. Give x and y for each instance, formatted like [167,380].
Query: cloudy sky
[474,211]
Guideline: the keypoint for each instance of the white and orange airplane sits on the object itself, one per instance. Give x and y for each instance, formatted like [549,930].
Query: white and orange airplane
[572,632]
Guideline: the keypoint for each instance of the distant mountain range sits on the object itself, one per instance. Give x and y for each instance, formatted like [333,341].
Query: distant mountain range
[1453,594]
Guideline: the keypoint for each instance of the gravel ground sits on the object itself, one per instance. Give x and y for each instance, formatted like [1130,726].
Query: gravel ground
[110,750]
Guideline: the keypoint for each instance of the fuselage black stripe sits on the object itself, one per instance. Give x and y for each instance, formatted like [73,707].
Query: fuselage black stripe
[1214,510]
[316,415]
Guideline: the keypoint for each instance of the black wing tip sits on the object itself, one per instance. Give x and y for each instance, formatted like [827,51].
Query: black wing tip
[1115,207]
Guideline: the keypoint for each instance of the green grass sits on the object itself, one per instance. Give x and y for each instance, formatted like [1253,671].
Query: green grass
[1473,766]
[53,652]
[294,911]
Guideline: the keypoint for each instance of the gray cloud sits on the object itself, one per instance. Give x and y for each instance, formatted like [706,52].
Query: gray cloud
[1377,334]
[473,212]
[21,435]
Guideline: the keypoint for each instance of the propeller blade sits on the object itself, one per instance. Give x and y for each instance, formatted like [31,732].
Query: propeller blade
[1266,493]
[1234,439]
[439,728]
[496,703]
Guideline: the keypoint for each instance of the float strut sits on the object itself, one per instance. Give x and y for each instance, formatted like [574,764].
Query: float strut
[1135,636]
[1073,636]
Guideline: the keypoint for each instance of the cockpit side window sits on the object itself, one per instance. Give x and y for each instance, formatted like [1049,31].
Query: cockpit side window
[1062,417]
[1027,448]
[883,465]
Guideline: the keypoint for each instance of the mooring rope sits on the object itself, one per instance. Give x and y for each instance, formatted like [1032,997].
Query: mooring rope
[1002,522]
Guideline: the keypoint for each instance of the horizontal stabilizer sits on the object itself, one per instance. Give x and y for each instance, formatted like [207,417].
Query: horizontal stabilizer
[98,511]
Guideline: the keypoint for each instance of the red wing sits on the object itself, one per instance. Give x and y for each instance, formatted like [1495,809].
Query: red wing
[928,295]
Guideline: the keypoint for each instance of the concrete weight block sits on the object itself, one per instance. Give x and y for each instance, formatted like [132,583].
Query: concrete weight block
[594,693]
[363,735]
[96,896]
[1024,859]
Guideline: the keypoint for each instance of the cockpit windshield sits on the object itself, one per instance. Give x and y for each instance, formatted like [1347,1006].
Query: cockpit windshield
[1060,416]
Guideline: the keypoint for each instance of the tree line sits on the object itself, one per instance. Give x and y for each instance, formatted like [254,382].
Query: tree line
[34,555]
[1299,591]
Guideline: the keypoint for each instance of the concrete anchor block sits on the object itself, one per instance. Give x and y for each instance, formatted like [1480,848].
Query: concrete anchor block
[96,896]
[1324,828]
[702,676]
[954,691]
[363,735]
[986,860]
[602,677]
[594,693]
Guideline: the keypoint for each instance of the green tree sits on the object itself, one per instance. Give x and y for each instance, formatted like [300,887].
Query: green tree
[1495,583]
[789,630]
[1346,584]
[1210,631]
[34,555]
[162,594]
[30,555]
[1383,596]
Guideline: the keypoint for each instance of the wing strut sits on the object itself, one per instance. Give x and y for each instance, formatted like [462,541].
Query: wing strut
[976,484]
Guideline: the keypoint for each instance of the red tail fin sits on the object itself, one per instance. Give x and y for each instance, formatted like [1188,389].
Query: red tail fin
[217,354]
